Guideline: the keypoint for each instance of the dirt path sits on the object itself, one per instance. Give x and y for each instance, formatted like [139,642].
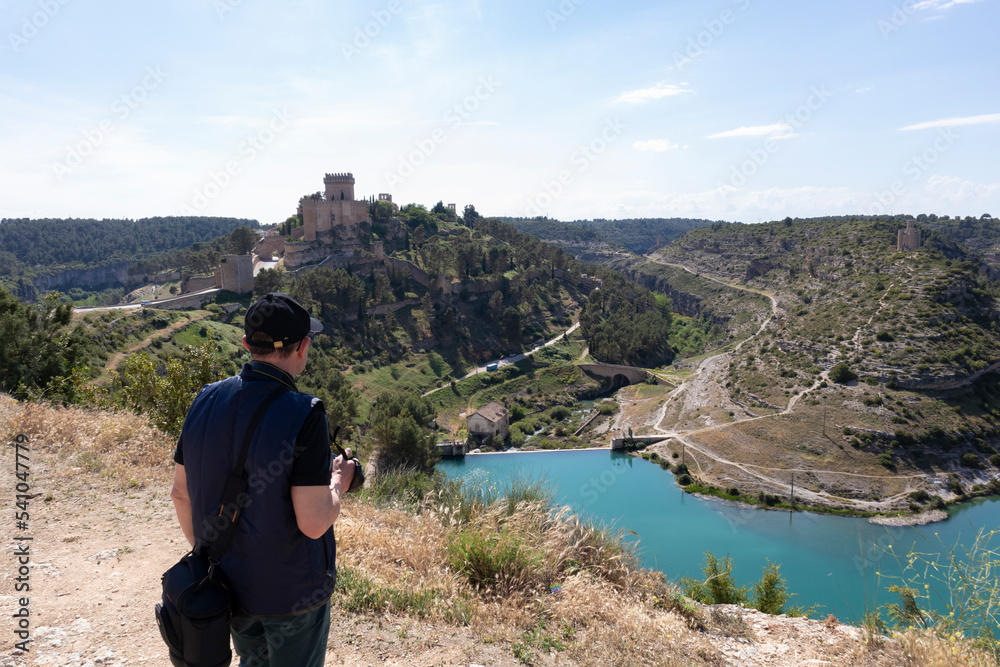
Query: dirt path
[97,556]
[117,357]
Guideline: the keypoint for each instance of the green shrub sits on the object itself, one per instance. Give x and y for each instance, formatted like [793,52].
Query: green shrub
[770,593]
[501,561]
[719,587]
[401,487]
[559,413]
[995,460]
[606,409]
[842,374]
[970,460]
[885,459]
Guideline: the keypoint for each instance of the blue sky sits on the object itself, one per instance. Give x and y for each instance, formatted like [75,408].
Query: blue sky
[741,110]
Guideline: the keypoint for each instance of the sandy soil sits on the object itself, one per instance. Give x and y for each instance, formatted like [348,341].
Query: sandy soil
[97,557]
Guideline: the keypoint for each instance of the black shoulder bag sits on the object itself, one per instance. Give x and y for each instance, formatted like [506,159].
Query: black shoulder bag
[196,611]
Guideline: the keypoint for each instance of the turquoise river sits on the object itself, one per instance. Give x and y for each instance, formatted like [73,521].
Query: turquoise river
[840,564]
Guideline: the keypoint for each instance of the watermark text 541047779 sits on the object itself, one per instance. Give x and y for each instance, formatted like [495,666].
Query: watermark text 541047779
[22,544]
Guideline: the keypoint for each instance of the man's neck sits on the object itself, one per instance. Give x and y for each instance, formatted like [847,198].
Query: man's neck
[284,363]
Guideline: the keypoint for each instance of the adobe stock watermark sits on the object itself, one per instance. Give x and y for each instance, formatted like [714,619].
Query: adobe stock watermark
[426,147]
[562,12]
[591,490]
[33,24]
[582,158]
[248,150]
[758,157]
[713,30]
[900,16]
[915,166]
[93,136]
[223,7]
[877,550]
[363,35]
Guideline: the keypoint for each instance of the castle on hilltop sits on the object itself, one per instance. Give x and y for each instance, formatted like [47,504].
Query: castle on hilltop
[334,223]
[337,207]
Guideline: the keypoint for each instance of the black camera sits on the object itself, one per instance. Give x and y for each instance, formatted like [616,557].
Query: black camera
[359,472]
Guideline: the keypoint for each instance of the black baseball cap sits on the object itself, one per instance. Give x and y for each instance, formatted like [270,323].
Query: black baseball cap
[280,317]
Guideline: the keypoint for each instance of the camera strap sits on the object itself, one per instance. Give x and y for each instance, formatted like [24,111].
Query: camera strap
[234,492]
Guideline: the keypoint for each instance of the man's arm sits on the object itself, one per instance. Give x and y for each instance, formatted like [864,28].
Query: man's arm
[182,502]
[317,507]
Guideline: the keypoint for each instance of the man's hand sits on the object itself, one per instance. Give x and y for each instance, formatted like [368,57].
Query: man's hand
[343,474]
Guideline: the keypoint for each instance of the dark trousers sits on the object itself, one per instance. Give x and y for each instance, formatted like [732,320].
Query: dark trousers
[282,641]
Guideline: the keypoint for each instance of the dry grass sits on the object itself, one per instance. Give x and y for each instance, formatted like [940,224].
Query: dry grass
[923,648]
[118,447]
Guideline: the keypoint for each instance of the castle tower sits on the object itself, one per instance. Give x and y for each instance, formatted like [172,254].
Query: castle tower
[908,240]
[339,187]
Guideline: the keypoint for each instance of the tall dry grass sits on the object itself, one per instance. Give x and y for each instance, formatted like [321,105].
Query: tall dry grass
[118,448]
[925,648]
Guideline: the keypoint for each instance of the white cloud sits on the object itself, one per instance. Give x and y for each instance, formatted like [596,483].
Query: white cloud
[957,191]
[654,145]
[952,122]
[939,5]
[658,91]
[776,131]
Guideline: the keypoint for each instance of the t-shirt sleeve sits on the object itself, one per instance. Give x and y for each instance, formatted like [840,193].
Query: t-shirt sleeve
[179,453]
[313,458]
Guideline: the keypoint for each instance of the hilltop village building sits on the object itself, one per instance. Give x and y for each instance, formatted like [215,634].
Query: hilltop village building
[490,421]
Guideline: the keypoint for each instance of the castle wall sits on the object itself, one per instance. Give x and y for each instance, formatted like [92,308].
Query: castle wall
[308,220]
[197,284]
[269,246]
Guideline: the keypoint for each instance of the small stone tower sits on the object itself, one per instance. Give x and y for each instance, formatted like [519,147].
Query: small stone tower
[235,274]
[908,240]
[339,187]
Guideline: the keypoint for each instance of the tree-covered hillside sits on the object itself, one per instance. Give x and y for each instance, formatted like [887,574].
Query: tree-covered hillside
[635,234]
[36,247]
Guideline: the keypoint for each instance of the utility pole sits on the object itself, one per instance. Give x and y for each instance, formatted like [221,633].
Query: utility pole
[792,500]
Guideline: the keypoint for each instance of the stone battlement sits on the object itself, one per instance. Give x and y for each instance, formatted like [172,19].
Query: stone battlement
[339,178]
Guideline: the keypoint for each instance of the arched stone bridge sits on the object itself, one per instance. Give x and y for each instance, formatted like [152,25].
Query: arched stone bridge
[621,376]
